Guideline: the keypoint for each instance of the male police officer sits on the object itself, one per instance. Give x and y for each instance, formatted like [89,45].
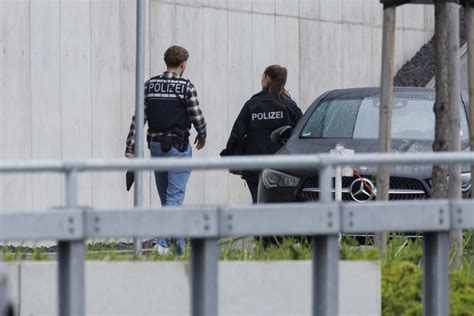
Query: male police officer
[171,105]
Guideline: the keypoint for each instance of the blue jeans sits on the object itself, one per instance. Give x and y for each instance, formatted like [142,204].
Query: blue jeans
[171,186]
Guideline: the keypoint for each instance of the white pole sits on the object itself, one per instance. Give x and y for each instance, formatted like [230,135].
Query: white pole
[139,111]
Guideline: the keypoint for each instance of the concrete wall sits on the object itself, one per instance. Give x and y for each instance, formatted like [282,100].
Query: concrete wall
[67,77]
[245,288]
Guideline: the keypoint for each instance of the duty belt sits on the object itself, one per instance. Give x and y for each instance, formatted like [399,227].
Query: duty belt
[177,138]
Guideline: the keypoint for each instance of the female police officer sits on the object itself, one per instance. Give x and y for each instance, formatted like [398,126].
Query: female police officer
[266,111]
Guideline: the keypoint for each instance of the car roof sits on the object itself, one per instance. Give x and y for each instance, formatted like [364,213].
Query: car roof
[398,92]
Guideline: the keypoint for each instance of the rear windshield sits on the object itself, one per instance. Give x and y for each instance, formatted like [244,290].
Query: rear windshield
[359,119]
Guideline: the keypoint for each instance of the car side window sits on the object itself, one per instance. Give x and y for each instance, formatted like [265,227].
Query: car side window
[359,119]
[411,119]
[332,119]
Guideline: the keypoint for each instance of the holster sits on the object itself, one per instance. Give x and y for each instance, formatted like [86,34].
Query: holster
[166,143]
[176,138]
[181,142]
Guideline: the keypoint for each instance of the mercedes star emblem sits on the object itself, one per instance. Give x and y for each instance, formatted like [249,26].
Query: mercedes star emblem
[362,190]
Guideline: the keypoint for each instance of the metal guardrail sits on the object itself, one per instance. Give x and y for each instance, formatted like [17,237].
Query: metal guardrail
[71,225]
[219,221]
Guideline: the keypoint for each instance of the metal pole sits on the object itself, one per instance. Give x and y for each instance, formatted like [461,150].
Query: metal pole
[139,110]
[454,93]
[204,269]
[469,14]
[325,260]
[435,274]
[385,117]
[71,256]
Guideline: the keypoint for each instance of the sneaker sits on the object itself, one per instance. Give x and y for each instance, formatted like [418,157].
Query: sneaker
[162,251]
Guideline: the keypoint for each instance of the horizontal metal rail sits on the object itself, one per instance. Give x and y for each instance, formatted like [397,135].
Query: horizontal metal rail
[462,214]
[286,219]
[322,221]
[57,224]
[432,215]
[238,162]
[172,222]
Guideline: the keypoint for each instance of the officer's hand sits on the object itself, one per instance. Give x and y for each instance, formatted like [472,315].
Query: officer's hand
[199,142]
[129,155]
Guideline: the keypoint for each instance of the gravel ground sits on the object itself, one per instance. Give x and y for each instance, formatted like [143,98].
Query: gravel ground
[418,71]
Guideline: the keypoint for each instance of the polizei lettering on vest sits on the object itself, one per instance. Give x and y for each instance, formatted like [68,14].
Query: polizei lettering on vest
[165,87]
[267,116]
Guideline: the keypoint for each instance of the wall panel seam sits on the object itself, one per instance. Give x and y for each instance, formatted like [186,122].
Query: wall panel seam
[29,102]
[61,149]
[91,147]
[31,83]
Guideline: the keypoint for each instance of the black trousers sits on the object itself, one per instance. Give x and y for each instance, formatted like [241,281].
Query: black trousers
[267,241]
[253,188]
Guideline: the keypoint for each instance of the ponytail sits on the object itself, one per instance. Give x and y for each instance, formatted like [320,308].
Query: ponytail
[277,75]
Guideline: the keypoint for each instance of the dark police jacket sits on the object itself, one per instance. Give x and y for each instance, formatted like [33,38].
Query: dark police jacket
[259,117]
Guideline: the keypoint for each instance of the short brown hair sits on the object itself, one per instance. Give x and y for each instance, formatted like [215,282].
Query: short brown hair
[175,55]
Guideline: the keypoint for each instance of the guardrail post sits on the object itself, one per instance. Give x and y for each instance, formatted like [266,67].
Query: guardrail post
[139,111]
[204,263]
[435,274]
[71,254]
[325,259]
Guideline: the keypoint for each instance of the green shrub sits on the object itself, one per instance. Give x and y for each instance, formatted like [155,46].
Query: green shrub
[461,292]
[401,289]
[39,254]
[347,252]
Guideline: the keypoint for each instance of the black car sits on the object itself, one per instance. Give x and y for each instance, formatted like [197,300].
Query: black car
[349,118]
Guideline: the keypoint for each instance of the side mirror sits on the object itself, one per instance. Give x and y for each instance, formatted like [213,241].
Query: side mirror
[281,134]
